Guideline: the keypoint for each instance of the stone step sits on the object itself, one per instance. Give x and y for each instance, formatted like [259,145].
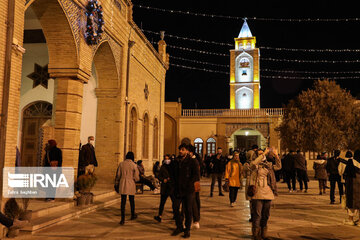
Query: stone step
[67,205]
[56,216]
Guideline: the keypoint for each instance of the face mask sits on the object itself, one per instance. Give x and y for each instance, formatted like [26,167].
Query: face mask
[92,142]
[167,161]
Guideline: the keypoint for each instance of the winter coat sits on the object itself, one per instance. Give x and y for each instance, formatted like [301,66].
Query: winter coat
[54,154]
[288,162]
[218,165]
[263,177]
[233,173]
[300,162]
[126,176]
[186,173]
[320,169]
[87,156]
[332,167]
[341,168]
[250,155]
[352,183]
[165,173]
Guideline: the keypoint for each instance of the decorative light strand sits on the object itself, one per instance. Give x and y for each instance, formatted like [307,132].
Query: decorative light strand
[250,18]
[264,59]
[264,48]
[200,69]
[200,62]
[266,76]
[309,72]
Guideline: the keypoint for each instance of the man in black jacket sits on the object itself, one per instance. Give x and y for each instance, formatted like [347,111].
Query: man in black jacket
[334,176]
[186,173]
[87,157]
[217,165]
[289,170]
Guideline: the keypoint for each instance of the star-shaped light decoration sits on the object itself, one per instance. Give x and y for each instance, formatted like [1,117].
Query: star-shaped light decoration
[146,91]
[40,76]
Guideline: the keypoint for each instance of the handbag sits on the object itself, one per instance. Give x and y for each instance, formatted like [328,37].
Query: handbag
[225,187]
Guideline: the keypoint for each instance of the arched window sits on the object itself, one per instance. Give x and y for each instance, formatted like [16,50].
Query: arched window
[132,131]
[156,140]
[145,136]
[210,146]
[198,142]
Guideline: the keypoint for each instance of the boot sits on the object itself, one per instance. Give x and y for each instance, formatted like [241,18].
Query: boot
[256,233]
[264,233]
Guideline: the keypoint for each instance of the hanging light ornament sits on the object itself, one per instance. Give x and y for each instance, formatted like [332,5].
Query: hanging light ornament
[94,22]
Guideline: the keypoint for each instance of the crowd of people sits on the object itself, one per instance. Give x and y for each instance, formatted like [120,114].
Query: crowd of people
[179,179]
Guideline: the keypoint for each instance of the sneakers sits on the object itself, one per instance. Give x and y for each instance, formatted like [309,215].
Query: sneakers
[332,202]
[349,222]
[17,224]
[158,218]
[305,191]
[156,191]
[133,217]
[290,191]
[196,225]
[221,194]
[122,222]
[231,204]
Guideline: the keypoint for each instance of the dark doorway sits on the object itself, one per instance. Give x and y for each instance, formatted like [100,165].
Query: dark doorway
[246,141]
[34,116]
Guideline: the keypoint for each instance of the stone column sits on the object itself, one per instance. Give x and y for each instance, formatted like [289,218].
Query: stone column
[67,118]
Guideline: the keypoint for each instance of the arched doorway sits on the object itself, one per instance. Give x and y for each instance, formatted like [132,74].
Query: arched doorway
[246,137]
[33,117]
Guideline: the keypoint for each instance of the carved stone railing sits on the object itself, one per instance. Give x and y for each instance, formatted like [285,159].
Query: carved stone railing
[266,112]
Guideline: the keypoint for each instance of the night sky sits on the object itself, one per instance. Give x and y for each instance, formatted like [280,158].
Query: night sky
[199,89]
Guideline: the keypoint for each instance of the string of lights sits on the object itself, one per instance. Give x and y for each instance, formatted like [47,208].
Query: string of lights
[264,48]
[268,70]
[200,69]
[263,58]
[250,18]
[269,76]
[309,72]
[200,62]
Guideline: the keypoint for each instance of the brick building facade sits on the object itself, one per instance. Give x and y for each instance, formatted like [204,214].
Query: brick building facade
[127,74]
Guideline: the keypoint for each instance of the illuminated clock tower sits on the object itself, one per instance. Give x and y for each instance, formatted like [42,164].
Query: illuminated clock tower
[244,71]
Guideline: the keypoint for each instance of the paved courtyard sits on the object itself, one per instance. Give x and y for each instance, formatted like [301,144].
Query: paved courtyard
[293,216]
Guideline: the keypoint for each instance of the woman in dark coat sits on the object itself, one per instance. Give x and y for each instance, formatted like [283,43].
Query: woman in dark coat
[352,182]
[320,173]
[167,186]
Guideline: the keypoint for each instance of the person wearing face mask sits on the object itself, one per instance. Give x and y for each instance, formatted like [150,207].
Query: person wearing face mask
[87,160]
[166,187]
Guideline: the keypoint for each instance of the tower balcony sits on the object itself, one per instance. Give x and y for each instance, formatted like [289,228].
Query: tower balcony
[265,112]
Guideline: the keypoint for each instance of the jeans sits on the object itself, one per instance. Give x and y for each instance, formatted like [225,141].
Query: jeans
[196,207]
[290,178]
[163,199]
[322,184]
[215,176]
[233,191]
[123,203]
[333,180]
[260,212]
[187,205]
[302,178]
[147,182]
[4,220]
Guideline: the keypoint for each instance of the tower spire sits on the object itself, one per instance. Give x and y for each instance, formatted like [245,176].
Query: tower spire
[245,30]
